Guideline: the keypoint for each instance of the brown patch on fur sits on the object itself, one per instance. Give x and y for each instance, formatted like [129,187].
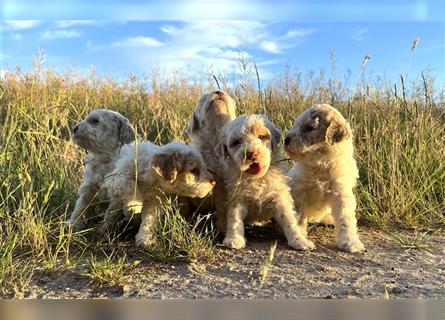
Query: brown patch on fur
[167,165]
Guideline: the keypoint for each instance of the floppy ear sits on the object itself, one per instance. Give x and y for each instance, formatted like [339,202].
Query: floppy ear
[338,131]
[165,165]
[126,131]
[275,134]
[194,125]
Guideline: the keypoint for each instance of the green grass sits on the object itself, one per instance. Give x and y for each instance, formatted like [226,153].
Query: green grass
[399,138]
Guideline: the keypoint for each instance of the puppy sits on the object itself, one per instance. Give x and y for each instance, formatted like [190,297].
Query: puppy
[325,172]
[213,112]
[257,188]
[174,168]
[102,133]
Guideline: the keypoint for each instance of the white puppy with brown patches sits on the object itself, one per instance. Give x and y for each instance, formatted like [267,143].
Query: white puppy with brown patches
[174,168]
[325,172]
[257,188]
[102,133]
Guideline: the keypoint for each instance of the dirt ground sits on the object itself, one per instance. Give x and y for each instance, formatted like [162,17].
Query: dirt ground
[385,270]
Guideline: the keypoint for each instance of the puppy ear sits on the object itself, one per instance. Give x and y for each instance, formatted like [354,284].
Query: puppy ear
[165,165]
[126,131]
[338,131]
[275,134]
[194,125]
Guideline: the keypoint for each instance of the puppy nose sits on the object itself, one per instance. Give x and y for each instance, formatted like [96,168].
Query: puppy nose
[212,181]
[252,155]
[75,128]
[286,141]
[219,93]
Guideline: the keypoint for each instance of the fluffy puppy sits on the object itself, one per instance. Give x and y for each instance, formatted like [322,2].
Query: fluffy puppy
[325,172]
[102,133]
[213,111]
[257,188]
[174,168]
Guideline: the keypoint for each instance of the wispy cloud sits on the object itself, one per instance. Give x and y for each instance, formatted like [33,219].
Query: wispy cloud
[20,25]
[138,42]
[60,34]
[17,36]
[269,46]
[63,24]
[359,34]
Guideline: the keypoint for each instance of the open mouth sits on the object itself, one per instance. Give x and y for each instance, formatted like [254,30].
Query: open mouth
[253,169]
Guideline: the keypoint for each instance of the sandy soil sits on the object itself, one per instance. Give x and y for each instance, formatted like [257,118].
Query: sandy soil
[385,270]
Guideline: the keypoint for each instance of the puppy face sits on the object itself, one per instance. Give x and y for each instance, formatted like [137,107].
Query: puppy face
[251,141]
[181,170]
[103,130]
[318,127]
[213,111]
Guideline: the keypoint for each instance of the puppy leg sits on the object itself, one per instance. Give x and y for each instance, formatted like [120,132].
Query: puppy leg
[286,218]
[87,192]
[235,227]
[343,210]
[145,235]
[111,216]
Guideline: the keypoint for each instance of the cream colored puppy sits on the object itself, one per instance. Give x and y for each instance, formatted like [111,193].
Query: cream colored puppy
[102,133]
[325,172]
[213,112]
[257,189]
[174,168]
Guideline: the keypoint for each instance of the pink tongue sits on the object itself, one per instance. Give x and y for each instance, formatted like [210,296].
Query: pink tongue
[254,168]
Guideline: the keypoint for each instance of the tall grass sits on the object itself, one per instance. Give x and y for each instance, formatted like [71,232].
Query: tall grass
[399,137]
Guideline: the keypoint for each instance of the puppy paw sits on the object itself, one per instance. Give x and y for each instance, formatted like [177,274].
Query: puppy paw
[236,242]
[352,245]
[133,207]
[144,240]
[301,244]
[77,224]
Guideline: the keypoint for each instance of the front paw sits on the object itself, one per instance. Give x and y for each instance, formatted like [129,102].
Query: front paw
[77,224]
[301,244]
[144,240]
[351,245]
[235,242]
[133,207]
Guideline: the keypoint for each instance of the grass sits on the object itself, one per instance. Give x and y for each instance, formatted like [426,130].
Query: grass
[399,129]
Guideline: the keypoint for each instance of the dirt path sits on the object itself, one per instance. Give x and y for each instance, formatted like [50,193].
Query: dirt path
[324,273]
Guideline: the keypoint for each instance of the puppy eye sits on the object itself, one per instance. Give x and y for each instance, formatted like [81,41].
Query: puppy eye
[263,137]
[94,121]
[235,143]
[308,128]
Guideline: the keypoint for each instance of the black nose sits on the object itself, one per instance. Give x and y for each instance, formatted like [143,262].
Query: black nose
[76,128]
[287,141]
[252,155]
[219,93]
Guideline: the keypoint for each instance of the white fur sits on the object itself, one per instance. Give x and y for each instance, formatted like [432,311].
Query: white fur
[174,168]
[101,133]
[325,173]
[257,188]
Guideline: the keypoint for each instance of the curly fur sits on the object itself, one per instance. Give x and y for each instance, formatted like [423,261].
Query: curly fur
[325,172]
[257,188]
[174,168]
[102,133]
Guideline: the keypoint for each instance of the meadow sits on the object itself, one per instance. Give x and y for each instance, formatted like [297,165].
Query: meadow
[399,129]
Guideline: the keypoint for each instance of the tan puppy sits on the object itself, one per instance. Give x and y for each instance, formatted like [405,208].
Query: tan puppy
[257,188]
[325,172]
[102,133]
[213,112]
[174,168]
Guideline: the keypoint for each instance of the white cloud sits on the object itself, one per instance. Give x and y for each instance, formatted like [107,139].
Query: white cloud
[19,24]
[63,24]
[269,46]
[60,34]
[299,33]
[17,36]
[359,34]
[138,41]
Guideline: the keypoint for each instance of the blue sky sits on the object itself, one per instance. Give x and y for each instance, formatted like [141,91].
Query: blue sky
[117,47]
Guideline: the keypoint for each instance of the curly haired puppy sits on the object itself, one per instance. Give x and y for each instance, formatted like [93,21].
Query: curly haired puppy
[102,133]
[174,168]
[325,172]
[257,188]
[213,112]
